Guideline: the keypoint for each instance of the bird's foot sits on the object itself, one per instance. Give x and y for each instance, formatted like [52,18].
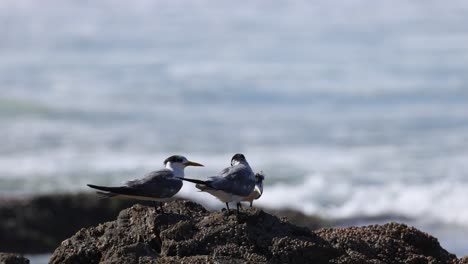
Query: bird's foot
[226,212]
[158,207]
[227,209]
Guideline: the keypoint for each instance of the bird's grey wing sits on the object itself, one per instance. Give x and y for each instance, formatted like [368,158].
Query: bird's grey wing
[238,171]
[237,180]
[225,171]
[159,184]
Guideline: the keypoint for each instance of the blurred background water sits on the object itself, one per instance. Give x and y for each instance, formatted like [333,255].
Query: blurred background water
[353,109]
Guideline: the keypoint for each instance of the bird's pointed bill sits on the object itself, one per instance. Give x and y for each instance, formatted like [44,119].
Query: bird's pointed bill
[192,163]
[257,189]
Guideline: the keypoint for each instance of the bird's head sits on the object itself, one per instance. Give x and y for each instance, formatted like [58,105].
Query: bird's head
[177,161]
[237,159]
[259,177]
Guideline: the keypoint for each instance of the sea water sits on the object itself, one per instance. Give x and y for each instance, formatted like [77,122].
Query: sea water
[353,109]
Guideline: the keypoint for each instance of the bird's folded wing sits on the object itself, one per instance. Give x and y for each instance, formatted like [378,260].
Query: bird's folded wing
[236,187]
[159,184]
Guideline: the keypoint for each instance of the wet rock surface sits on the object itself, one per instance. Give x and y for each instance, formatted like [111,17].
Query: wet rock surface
[10,258]
[389,243]
[39,224]
[188,233]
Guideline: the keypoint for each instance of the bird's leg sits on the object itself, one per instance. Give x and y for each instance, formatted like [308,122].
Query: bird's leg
[251,202]
[239,205]
[227,207]
[161,208]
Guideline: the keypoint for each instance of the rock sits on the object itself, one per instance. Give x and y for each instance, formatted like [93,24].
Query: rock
[299,218]
[39,224]
[389,243]
[10,258]
[188,233]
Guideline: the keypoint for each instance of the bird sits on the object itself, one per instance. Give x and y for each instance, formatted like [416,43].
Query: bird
[232,184]
[157,186]
[257,191]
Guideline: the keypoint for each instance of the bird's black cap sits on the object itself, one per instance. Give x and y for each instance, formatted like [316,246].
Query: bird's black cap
[238,157]
[259,176]
[174,158]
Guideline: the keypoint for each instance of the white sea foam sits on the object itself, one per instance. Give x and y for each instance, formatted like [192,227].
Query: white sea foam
[331,182]
[436,202]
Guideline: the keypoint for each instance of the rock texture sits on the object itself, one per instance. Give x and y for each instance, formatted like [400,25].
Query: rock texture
[10,258]
[39,224]
[188,233]
[381,244]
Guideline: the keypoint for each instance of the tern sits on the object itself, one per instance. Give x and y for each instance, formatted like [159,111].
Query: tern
[157,186]
[233,184]
[257,191]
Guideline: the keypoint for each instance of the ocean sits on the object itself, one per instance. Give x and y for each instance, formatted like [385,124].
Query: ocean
[354,110]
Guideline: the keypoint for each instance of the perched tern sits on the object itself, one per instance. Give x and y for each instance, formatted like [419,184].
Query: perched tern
[156,186]
[233,184]
[258,189]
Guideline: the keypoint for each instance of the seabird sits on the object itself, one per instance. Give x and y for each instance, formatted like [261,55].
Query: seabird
[232,184]
[156,186]
[257,191]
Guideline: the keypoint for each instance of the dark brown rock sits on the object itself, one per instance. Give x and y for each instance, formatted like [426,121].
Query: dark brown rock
[300,219]
[11,258]
[188,233]
[389,243]
[39,224]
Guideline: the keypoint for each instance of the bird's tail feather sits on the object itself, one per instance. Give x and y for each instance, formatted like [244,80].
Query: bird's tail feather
[113,191]
[102,188]
[201,185]
[194,181]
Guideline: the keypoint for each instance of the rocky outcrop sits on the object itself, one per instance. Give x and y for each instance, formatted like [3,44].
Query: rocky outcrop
[39,224]
[188,233]
[10,258]
[389,243]
[300,219]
